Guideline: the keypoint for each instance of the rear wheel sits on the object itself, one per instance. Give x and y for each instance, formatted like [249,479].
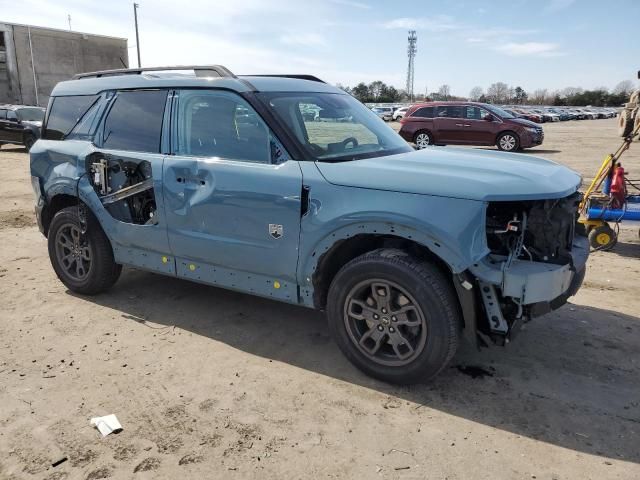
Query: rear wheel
[81,255]
[508,142]
[393,316]
[422,139]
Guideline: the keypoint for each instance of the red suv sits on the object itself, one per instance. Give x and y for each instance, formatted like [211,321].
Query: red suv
[468,123]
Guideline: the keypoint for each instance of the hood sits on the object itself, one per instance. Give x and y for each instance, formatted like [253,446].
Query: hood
[482,175]
[524,122]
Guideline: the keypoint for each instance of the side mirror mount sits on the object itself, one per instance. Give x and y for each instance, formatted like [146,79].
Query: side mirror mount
[489,118]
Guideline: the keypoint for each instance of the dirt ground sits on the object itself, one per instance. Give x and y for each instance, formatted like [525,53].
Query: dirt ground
[209,383]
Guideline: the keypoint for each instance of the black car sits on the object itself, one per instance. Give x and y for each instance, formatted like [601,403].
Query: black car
[20,125]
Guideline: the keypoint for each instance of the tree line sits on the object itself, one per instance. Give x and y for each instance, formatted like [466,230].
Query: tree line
[498,93]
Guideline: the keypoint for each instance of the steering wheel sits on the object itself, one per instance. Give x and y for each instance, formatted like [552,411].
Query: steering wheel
[349,140]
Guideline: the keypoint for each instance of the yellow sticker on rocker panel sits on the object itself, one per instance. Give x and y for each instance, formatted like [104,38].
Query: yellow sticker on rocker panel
[192,267]
[276,284]
[165,259]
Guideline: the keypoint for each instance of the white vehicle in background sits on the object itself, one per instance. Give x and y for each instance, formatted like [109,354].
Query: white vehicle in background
[554,117]
[400,113]
[385,113]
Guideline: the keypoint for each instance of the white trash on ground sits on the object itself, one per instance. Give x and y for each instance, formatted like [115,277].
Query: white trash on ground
[107,424]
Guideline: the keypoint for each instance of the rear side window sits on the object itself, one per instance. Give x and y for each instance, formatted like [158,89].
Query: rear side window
[449,111]
[3,114]
[65,113]
[424,112]
[134,122]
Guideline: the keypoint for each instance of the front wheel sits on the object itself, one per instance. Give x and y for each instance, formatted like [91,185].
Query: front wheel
[81,253]
[29,140]
[508,142]
[394,317]
[422,140]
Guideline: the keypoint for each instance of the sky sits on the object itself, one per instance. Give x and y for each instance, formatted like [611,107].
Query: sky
[529,43]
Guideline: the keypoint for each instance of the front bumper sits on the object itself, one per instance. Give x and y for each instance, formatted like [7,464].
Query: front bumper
[541,286]
[532,139]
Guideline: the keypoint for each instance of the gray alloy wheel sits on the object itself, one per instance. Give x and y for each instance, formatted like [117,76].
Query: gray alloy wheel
[508,142]
[422,140]
[385,322]
[73,252]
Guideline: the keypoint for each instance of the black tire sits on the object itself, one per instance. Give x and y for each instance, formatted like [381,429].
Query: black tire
[87,277]
[603,238]
[432,344]
[422,139]
[625,123]
[28,142]
[508,142]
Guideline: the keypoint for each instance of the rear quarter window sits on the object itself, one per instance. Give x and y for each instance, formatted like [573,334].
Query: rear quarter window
[65,113]
[424,112]
[134,122]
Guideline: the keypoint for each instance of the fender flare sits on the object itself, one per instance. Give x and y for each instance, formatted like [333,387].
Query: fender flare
[312,257]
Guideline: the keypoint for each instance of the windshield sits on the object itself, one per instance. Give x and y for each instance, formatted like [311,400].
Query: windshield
[30,114]
[498,111]
[340,128]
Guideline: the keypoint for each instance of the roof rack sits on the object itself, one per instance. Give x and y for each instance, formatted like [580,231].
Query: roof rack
[200,71]
[312,78]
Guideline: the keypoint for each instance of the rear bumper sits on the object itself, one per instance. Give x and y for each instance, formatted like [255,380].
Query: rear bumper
[39,209]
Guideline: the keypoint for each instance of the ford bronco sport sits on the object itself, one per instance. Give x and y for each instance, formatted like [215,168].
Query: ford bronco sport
[221,179]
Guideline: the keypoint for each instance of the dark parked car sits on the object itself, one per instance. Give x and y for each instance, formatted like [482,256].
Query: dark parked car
[20,125]
[467,123]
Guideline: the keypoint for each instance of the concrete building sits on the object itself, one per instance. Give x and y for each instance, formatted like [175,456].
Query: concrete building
[34,59]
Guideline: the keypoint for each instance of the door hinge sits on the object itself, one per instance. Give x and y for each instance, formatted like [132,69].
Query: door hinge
[304,200]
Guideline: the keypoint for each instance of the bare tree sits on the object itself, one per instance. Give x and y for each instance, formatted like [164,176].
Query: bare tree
[624,87]
[570,91]
[498,92]
[539,96]
[444,91]
[475,94]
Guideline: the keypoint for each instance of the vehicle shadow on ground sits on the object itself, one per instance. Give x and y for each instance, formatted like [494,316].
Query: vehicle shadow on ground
[569,379]
[626,249]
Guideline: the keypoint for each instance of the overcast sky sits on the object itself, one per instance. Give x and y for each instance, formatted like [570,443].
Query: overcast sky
[532,43]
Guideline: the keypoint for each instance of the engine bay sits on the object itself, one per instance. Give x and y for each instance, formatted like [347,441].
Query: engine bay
[125,188]
[538,230]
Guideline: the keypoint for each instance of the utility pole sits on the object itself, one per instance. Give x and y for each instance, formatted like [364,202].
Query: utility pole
[69,20]
[135,16]
[411,53]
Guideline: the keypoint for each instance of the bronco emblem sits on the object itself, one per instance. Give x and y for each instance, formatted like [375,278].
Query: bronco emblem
[276,231]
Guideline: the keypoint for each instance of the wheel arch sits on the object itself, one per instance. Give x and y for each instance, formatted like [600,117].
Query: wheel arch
[511,131]
[422,130]
[327,260]
[54,205]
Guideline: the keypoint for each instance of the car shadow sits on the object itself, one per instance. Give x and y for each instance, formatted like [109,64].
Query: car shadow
[568,379]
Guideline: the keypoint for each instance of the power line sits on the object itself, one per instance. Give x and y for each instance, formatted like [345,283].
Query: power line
[412,49]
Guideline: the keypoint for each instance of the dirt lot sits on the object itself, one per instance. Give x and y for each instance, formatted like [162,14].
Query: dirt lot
[213,384]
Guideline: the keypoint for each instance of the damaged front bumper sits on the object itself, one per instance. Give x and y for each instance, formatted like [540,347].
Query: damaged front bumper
[528,288]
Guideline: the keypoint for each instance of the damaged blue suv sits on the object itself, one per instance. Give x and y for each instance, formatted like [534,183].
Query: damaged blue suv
[227,180]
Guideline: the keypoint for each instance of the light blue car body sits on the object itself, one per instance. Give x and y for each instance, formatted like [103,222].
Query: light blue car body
[213,225]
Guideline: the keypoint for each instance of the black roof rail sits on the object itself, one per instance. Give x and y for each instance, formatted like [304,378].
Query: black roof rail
[199,70]
[313,78]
